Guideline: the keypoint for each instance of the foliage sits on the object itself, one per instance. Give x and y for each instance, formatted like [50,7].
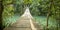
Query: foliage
[37,8]
[8,11]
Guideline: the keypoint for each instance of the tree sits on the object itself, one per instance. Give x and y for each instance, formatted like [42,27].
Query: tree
[49,11]
[1,11]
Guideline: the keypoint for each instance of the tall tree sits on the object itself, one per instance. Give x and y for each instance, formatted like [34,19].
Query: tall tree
[49,11]
[1,10]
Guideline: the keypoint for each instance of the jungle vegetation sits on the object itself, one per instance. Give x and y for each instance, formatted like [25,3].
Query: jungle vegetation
[11,8]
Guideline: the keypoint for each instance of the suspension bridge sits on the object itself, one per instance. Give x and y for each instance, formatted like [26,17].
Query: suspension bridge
[25,22]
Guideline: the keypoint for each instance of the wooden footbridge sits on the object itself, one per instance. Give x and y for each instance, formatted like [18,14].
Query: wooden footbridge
[25,22]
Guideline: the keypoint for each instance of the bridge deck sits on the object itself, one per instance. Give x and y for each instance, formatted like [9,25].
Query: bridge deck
[24,23]
[21,24]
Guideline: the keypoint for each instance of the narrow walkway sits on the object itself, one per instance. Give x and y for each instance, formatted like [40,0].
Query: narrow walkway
[21,24]
[24,23]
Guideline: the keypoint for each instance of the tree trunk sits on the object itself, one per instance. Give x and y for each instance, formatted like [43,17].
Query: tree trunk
[1,10]
[48,14]
[50,8]
[48,19]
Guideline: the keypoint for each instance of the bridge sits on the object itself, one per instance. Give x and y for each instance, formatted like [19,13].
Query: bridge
[25,22]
